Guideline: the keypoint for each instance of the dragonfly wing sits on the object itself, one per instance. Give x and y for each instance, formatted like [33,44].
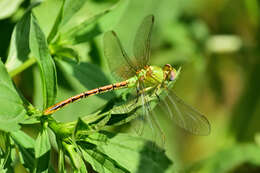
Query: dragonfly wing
[147,113]
[119,63]
[185,116]
[142,42]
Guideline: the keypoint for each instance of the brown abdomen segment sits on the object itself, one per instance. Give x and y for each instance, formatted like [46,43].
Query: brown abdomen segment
[95,91]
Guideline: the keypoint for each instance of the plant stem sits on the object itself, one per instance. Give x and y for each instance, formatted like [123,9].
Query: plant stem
[60,129]
[22,67]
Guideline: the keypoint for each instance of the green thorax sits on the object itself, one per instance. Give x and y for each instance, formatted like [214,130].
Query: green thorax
[150,75]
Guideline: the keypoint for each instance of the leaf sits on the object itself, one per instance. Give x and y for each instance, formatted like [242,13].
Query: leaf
[26,149]
[71,7]
[84,128]
[95,76]
[19,46]
[12,110]
[93,19]
[8,8]
[75,158]
[81,76]
[6,150]
[229,159]
[139,155]
[66,52]
[42,151]
[101,162]
[68,9]
[39,49]
[61,163]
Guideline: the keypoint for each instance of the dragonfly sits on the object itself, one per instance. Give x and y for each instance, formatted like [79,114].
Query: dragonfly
[135,72]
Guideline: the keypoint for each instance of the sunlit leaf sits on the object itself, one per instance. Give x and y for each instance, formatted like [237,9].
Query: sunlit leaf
[12,110]
[19,47]
[39,49]
[93,19]
[67,11]
[139,155]
[7,7]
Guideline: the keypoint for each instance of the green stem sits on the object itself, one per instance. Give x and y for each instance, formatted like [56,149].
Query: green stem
[22,67]
[60,129]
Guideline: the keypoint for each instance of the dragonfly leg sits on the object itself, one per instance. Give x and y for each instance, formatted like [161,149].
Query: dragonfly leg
[156,92]
[157,96]
[137,98]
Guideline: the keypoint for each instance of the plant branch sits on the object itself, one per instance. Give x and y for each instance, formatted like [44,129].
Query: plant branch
[22,67]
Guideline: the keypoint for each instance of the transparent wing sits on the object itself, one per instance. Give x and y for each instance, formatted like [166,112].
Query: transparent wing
[142,42]
[118,61]
[185,116]
[157,134]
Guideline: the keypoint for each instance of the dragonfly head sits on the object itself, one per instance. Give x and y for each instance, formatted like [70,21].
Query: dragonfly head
[169,72]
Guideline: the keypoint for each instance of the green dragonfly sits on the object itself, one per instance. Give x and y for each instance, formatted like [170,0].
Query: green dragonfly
[135,72]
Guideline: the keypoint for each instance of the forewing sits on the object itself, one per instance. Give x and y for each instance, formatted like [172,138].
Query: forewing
[142,42]
[185,116]
[118,61]
[157,134]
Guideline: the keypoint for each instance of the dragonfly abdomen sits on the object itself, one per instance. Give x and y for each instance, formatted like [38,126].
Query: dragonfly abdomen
[95,91]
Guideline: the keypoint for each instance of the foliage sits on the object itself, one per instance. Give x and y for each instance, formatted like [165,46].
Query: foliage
[52,49]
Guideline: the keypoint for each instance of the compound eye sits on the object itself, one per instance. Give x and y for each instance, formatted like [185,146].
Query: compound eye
[167,67]
[172,75]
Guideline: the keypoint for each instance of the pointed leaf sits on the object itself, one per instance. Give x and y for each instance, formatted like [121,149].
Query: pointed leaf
[7,7]
[19,46]
[139,155]
[26,149]
[39,49]
[85,26]
[12,110]
[101,162]
[42,151]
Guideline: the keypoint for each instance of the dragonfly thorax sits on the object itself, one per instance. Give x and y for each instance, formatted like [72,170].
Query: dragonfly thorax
[151,76]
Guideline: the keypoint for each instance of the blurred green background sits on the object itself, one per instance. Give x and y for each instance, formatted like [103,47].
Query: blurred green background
[217,44]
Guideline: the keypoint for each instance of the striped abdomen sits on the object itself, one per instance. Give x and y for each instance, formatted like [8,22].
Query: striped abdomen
[103,89]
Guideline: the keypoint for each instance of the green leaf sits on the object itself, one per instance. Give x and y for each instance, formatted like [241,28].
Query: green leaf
[93,19]
[26,149]
[84,128]
[71,7]
[81,77]
[67,10]
[5,152]
[65,52]
[56,25]
[8,8]
[75,157]
[95,76]
[42,151]
[139,155]
[39,49]
[19,46]
[12,110]
[229,159]
[85,31]
[101,162]
[61,164]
